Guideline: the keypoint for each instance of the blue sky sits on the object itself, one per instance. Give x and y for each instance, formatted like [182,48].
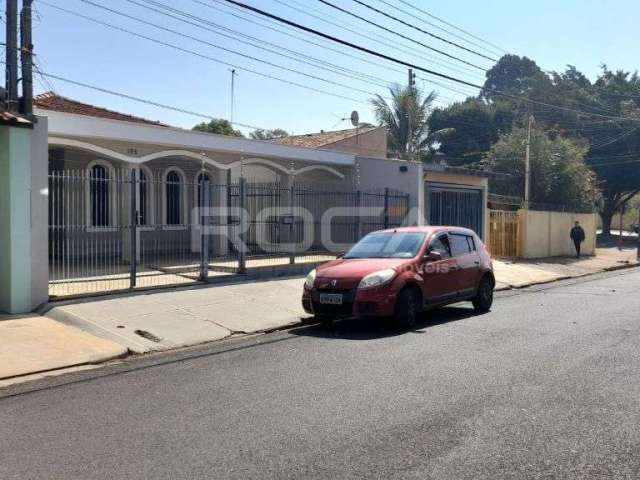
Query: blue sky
[584,33]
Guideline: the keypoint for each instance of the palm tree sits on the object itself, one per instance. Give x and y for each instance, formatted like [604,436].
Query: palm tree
[406,121]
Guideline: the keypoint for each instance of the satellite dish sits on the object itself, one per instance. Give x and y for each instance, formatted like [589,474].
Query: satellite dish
[355,118]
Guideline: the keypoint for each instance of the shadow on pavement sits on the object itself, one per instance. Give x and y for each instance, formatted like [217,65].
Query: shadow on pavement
[375,328]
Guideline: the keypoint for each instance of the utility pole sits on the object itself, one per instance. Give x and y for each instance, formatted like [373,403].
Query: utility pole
[12,56]
[527,165]
[26,58]
[233,84]
[412,86]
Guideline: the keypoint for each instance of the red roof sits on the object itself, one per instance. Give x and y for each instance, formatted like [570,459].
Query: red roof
[321,139]
[58,103]
[8,118]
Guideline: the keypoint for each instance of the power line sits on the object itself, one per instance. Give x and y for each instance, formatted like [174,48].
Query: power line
[377,81]
[190,37]
[433,35]
[209,58]
[448,32]
[417,67]
[305,10]
[139,99]
[397,34]
[306,40]
[296,37]
[430,15]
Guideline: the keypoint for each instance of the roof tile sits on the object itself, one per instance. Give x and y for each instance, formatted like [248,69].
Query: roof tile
[58,103]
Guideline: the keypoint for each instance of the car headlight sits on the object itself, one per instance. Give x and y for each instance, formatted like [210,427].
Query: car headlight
[377,278]
[311,278]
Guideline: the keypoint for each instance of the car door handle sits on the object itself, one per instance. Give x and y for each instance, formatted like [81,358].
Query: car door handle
[477,262]
[455,268]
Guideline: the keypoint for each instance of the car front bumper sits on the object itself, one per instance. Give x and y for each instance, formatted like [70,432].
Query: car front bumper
[374,302]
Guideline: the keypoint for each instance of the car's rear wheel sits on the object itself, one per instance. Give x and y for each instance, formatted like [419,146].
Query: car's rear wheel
[407,308]
[484,297]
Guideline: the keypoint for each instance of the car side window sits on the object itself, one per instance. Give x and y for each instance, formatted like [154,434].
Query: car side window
[441,245]
[472,244]
[459,244]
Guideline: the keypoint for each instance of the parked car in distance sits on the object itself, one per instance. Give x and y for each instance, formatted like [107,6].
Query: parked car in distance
[400,272]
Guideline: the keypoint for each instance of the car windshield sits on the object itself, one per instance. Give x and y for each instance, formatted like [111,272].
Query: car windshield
[387,245]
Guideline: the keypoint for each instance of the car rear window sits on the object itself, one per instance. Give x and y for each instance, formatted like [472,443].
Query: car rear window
[460,244]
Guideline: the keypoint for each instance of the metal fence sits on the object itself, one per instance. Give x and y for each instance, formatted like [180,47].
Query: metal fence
[119,230]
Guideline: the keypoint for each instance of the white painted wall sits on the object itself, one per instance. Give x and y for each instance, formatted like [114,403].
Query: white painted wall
[39,213]
[15,220]
[378,173]
[546,234]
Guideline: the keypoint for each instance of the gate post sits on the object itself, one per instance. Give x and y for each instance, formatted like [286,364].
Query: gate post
[204,233]
[133,256]
[292,225]
[386,208]
[242,257]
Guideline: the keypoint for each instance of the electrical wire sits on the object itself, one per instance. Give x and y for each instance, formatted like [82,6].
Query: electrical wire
[437,37]
[207,57]
[448,32]
[398,34]
[420,68]
[324,65]
[323,17]
[430,15]
[140,99]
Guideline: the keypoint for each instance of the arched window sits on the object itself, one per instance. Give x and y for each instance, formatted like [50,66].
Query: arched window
[144,196]
[174,198]
[202,178]
[100,196]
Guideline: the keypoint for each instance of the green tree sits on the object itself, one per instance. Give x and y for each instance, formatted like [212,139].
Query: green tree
[558,172]
[474,126]
[218,126]
[405,118]
[513,75]
[262,134]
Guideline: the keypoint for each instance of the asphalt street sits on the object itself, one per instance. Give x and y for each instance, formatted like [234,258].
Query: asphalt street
[546,385]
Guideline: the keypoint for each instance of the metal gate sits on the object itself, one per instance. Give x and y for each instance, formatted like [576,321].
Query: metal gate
[460,207]
[117,230]
[120,229]
[504,233]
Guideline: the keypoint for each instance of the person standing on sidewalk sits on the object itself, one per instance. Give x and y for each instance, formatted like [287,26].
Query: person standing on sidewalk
[578,236]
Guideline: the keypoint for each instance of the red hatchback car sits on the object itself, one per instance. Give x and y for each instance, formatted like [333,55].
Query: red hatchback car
[400,272]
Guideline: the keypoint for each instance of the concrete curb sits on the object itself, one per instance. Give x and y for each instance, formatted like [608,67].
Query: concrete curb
[71,320]
[568,277]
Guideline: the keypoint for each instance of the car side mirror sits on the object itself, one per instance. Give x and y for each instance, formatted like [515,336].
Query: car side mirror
[433,256]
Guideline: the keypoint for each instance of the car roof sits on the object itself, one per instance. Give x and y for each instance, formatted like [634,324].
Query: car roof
[428,229]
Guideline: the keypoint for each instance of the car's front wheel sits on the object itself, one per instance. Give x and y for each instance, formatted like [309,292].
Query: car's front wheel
[407,308]
[484,297]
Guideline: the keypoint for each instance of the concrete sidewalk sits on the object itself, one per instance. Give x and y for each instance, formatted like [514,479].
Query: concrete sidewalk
[96,330]
[165,320]
[32,344]
[523,273]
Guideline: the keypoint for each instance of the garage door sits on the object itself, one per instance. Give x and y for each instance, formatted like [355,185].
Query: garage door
[460,207]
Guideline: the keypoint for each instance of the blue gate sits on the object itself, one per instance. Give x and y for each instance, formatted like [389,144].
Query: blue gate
[460,207]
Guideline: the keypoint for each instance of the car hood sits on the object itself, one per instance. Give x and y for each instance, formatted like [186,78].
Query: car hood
[356,268]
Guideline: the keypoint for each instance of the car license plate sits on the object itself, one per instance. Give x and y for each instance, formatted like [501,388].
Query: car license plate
[331,298]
